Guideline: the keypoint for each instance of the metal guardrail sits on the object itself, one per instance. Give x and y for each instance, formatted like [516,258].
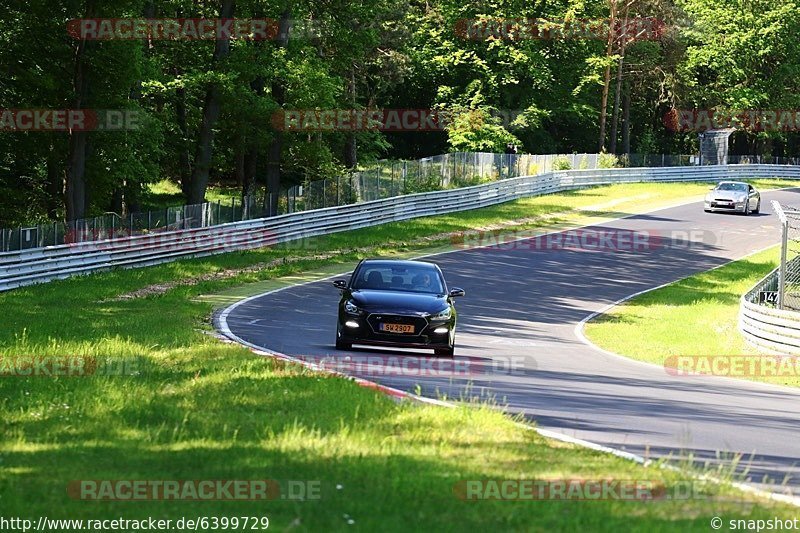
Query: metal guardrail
[26,267]
[769,314]
[764,325]
[789,267]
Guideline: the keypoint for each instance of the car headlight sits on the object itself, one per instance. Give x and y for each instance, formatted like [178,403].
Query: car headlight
[351,308]
[442,315]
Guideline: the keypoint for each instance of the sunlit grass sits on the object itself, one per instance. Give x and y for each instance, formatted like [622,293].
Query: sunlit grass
[697,316]
[198,408]
[167,193]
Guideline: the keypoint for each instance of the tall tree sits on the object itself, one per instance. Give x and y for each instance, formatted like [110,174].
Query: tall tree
[211,109]
[78,140]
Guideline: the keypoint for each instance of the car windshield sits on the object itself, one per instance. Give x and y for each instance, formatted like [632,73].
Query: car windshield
[420,279]
[732,187]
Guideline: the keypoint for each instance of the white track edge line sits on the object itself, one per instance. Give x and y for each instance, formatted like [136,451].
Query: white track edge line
[223,325]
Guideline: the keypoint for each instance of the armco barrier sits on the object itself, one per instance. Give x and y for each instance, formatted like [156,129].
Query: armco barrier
[26,267]
[766,327]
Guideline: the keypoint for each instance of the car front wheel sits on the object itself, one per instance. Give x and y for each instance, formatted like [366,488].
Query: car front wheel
[448,352]
[340,344]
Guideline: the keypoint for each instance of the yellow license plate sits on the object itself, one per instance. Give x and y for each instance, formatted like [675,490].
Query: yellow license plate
[397,328]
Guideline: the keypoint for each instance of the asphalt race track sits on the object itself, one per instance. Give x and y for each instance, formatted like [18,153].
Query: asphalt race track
[516,342]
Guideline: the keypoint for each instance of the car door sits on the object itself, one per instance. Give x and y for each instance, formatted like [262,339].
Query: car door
[752,197]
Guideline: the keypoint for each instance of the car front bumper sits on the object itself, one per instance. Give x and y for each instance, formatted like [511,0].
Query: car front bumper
[727,208]
[428,334]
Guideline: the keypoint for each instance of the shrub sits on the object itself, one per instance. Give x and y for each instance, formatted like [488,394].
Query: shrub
[607,161]
[562,163]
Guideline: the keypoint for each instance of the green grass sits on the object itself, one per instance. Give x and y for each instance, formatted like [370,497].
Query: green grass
[695,316]
[167,193]
[204,409]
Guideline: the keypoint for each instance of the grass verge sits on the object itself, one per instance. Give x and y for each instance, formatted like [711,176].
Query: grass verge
[697,316]
[197,408]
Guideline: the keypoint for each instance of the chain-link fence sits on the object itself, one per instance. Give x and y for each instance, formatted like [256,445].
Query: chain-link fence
[788,296]
[453,170]
[462,169]
[382,180]
[113,226]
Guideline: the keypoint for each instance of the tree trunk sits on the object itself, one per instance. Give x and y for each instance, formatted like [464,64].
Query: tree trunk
[76,175]
[211,107]
[239,158]
[618,88]
[117,201]
[250,169]
[184,161]
[276,146]
[125,197]
[55,183]
[250,157]
[626,119]
[607,74]
[351,145]
[76,160]
[615,113]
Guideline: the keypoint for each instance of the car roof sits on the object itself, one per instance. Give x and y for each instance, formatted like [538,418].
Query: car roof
[398,262]
[736,182]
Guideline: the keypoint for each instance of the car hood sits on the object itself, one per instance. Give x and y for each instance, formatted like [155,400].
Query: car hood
[726,195]
[398,302]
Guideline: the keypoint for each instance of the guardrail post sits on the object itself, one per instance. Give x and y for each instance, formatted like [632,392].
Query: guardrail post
[782,271]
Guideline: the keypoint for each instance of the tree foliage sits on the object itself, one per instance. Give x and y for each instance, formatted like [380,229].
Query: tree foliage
[206,109]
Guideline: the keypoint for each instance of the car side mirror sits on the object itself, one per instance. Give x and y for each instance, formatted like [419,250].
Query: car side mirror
[340,283]
[456,292]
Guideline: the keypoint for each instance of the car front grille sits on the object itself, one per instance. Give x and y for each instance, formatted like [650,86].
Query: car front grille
[374,319]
